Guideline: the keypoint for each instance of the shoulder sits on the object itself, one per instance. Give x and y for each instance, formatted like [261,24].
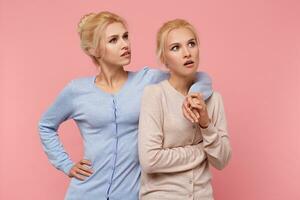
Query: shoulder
[215,100]
[150,72]
[82,84]
[82,81]
[153,92]
[153,89]
[214,97]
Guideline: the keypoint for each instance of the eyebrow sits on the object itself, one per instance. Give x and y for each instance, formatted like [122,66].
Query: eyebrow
[117,35]
[176,43]
[193,39]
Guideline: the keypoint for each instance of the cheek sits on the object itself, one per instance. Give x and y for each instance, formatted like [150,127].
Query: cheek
[195,53]
[173,59]
[129,44]
[111,52]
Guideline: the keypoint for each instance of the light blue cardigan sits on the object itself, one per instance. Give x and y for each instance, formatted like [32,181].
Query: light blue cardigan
[109,126]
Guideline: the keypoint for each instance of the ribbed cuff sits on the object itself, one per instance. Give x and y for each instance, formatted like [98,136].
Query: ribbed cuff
[66,169]
[209,130]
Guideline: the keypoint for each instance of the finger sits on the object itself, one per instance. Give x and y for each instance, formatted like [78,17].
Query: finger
[190,101]
[193,94]
[186,115]
[200,95]
[73,174]
[82,172]
[186,103]
[198,107]
[79,177]
[196,113]
[197,96]
[195,119]
[84,168]
[190,114]
[196,101]
[86,162]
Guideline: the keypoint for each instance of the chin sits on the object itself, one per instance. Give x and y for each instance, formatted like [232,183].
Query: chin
[188,73]
[125,62]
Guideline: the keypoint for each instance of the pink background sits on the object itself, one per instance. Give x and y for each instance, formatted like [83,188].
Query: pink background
[250,48]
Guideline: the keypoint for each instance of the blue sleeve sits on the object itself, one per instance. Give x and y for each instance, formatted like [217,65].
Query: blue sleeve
[60,111]
[203,84]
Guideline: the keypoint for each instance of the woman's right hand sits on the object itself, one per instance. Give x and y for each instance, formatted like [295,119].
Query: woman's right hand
[81,170]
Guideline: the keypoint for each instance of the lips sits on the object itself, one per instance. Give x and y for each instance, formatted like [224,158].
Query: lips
[126,53]
[188,63]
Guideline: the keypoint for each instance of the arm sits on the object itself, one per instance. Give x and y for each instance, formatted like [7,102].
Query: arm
[153,157]
[215,137]
[60,111]
[202,85]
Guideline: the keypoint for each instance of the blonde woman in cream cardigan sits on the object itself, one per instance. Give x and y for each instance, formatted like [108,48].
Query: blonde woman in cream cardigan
[175,152]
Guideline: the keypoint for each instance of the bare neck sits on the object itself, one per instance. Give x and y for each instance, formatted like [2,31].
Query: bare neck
[180,83]
[111,76]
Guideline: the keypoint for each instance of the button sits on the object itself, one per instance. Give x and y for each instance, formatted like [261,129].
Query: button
[191,182]
[194,126]
[190,195]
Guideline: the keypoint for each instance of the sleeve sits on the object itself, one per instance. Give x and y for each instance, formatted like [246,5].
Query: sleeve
[153,157]
[215,137]
[203,84]
[60,111]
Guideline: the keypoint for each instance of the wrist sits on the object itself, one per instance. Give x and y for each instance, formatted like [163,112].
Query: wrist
[205,125]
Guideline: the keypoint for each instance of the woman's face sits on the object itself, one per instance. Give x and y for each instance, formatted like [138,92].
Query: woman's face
[115,45]
[181,54]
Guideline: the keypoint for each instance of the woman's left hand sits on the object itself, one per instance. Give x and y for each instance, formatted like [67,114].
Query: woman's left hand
[195,109]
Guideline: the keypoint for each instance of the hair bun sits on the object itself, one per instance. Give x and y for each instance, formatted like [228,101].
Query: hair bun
[83,20]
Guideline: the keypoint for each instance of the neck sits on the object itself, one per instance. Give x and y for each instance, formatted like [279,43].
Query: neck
[181,83]
[111,76]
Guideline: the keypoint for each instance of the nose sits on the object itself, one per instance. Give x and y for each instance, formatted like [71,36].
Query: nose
[186,52]
[125,44]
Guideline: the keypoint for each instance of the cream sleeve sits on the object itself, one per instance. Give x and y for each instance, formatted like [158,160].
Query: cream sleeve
[215,136]
[153,157]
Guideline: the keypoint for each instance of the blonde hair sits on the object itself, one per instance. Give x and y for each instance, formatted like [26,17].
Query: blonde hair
[164,31]
[91,27]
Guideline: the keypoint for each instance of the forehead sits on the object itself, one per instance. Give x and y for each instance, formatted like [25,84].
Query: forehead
[179,35]
[115,28]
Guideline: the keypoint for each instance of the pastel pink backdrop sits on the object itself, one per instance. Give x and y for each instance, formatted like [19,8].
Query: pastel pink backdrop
[250,48]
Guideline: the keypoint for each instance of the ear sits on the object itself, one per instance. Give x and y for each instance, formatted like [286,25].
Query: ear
[162,60]
[165,63]
[94,53]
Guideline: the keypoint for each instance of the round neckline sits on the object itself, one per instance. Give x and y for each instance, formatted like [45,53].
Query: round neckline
[168,84]
[123,87]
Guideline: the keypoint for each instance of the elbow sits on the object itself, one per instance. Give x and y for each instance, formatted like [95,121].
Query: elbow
[147,166]
[221,163]
[148,169]
[148,163]
[46,129]
[42,128]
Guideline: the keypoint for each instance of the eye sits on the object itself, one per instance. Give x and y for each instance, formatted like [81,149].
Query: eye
[175,48]
[125,36]
[192,44]
[113,40]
